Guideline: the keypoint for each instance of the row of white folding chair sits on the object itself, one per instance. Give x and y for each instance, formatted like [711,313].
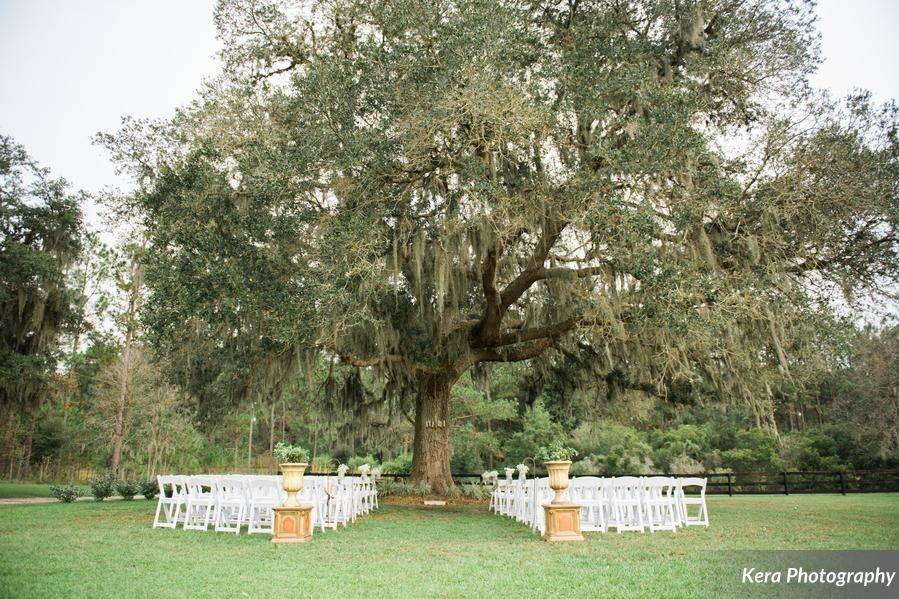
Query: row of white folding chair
[224,501]
[228,501]
[625,503]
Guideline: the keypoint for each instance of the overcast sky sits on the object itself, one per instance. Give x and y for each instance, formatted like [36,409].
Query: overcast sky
[69,69]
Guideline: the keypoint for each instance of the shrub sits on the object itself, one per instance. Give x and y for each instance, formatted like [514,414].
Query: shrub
[401,464]
[814,449]
[148,488]
[683,445]
[386,487]
[358,460]
[615,449]
[585,467]
[65,493]
[290,454]
[421,489]
[537,429]
[323,464]
[127,489]
[102,487]
[467,446]
[475,491]
[756,450]
[403,489]
[454,492]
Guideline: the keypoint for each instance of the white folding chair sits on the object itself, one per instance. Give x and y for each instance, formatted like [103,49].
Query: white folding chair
[172,496]
[202,494]
[265,494]
[230,508]
[587,491]
[659,503]
[684,501]
[627,503]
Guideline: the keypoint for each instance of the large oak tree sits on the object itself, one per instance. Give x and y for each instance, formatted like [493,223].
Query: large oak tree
[420,188]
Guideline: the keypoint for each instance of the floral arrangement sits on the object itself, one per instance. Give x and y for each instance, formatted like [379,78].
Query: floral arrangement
[364,469]
[376,472]
[522,471]
[342,470]
[509,472]
[555,452]
[290,454]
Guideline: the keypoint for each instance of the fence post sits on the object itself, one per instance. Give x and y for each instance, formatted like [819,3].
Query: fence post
[842,483]
[786,488]
[730,484]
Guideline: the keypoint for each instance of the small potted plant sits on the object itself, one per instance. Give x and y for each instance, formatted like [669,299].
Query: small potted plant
[509,472]
[292,460]
[341,472]
[557,459]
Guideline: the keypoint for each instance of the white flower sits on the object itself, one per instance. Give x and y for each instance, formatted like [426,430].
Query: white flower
[364,469]
[509,472]
[342,469]
[522,470]
[376,472]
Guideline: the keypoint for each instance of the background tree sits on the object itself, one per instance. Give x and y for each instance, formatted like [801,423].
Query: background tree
[645,189]
[39,239]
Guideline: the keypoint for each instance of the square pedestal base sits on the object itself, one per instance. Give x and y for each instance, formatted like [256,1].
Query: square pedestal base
[563,522]
[293,524]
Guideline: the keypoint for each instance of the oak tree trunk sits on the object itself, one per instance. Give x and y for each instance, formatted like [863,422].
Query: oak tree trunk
[430,448]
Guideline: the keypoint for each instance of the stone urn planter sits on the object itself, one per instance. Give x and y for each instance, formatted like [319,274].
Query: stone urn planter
[293,522]
[292,481]
[558,478]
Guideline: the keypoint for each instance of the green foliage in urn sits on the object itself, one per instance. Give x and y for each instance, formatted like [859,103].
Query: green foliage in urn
[291,454]
[555,451]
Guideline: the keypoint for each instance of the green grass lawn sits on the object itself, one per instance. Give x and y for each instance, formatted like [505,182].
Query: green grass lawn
[13,490]
[110,550]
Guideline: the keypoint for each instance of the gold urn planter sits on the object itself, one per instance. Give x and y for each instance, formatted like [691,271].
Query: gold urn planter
[558,478]
[292,481]
[293,521]
[563,519]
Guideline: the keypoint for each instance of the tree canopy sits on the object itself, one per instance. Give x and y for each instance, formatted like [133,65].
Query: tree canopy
[649,190]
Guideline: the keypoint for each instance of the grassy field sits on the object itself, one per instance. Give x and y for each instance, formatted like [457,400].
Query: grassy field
[109,549]
[13,490]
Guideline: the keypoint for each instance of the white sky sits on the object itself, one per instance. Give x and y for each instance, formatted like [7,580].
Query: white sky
[71,68]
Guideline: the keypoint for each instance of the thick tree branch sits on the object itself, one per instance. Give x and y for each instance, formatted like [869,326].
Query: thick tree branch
[532,271]
[517,355]
[549,331]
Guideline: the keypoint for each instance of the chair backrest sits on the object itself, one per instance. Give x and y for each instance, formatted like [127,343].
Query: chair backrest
[692,482]
[627,488]
[586,481]
[179,483]
[201,485]
[231,486]
[659,485]
[167,486]
[263,488]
